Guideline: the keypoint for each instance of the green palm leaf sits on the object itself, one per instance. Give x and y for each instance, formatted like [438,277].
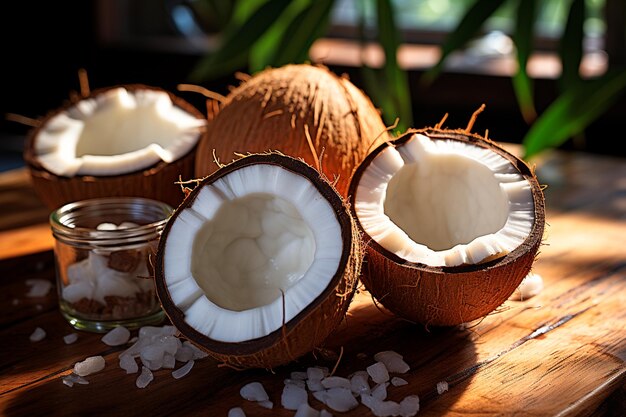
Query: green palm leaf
[469,25]
[523,38]
[573,111]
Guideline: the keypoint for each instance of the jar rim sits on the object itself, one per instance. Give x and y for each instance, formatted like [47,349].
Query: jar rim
[61,217]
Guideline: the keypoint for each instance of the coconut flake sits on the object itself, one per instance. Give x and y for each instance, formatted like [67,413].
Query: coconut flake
[236,412]
[89,366]
[335,381]
[297,382]
[299,375]
[38,335]
[70,338]
[184,354]
[530,286]
[254,391]
[393,361]
[398,382]
[378,372]
[316,373]
[169,362]
[305,410]
[409,406]
[442,387]
[325,413]
[129,364]
[72,379]
[197,352]
[144,378]
[266,404]
[183,370]
[38,287]
[380,408]
[293,396]
[117,336]
[339,399]
[380,391]
[359,383]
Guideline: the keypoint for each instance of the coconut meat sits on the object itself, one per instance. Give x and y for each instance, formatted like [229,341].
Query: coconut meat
[116,132]
[444,202]
[253,249]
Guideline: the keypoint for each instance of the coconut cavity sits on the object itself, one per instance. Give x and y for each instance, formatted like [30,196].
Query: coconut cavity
[253,250]
[250,251]
[116,132]
[444,202]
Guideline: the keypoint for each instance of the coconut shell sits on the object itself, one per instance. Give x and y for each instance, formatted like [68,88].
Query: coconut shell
[446,296]
[309,328]
[157,182]
[273,110]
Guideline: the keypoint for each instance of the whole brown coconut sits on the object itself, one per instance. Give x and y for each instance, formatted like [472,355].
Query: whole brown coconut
[301,110]
[259,263]
[157,181]
[412,266]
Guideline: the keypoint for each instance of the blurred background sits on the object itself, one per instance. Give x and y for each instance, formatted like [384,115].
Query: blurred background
[167,42]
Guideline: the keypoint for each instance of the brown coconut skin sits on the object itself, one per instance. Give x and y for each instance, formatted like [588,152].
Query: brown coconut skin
[157,182]
[313,324]
[271,110]
[448,296]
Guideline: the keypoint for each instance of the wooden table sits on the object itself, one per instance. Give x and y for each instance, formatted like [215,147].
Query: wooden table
[561,353]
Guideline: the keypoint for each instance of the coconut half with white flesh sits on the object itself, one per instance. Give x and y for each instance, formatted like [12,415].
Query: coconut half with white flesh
[452,224]
[259,263]
[130,140]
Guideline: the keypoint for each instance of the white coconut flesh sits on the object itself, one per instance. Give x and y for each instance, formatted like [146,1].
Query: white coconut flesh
[116,132]
[251,251]
[444,202]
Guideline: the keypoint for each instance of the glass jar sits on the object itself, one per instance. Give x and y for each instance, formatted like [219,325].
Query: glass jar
[104,249]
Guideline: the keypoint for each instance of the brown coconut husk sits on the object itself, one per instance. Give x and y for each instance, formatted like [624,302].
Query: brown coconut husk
[157,182]
[313,324]
[446,296]
[300,110]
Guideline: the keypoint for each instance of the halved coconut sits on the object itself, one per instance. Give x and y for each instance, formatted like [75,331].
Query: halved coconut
[131,140]
[452,224]
[259,263]
[302,110]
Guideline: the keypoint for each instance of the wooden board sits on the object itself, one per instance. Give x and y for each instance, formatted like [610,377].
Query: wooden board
[560,353]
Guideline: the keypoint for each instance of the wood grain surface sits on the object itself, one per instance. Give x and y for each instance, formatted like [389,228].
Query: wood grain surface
[561,353]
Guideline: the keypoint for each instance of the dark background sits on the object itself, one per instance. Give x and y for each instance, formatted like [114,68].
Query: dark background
[45,43]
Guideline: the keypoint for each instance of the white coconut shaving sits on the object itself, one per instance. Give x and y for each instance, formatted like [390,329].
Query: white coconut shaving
[398,382]
[293,396]
[325,413]
[335,381]
[129,364]
[409,406]
[89,366]
[38,335]
[72,379]
[380,391]
[38,287]
[70,338]
[530,286]
[117,336]
[305,410]
[183,370]
[254,391]
[338,399]
[393,361]
[266,404]
[144,378]
[378,372]
[236,412]
[359,383]
[442,387]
